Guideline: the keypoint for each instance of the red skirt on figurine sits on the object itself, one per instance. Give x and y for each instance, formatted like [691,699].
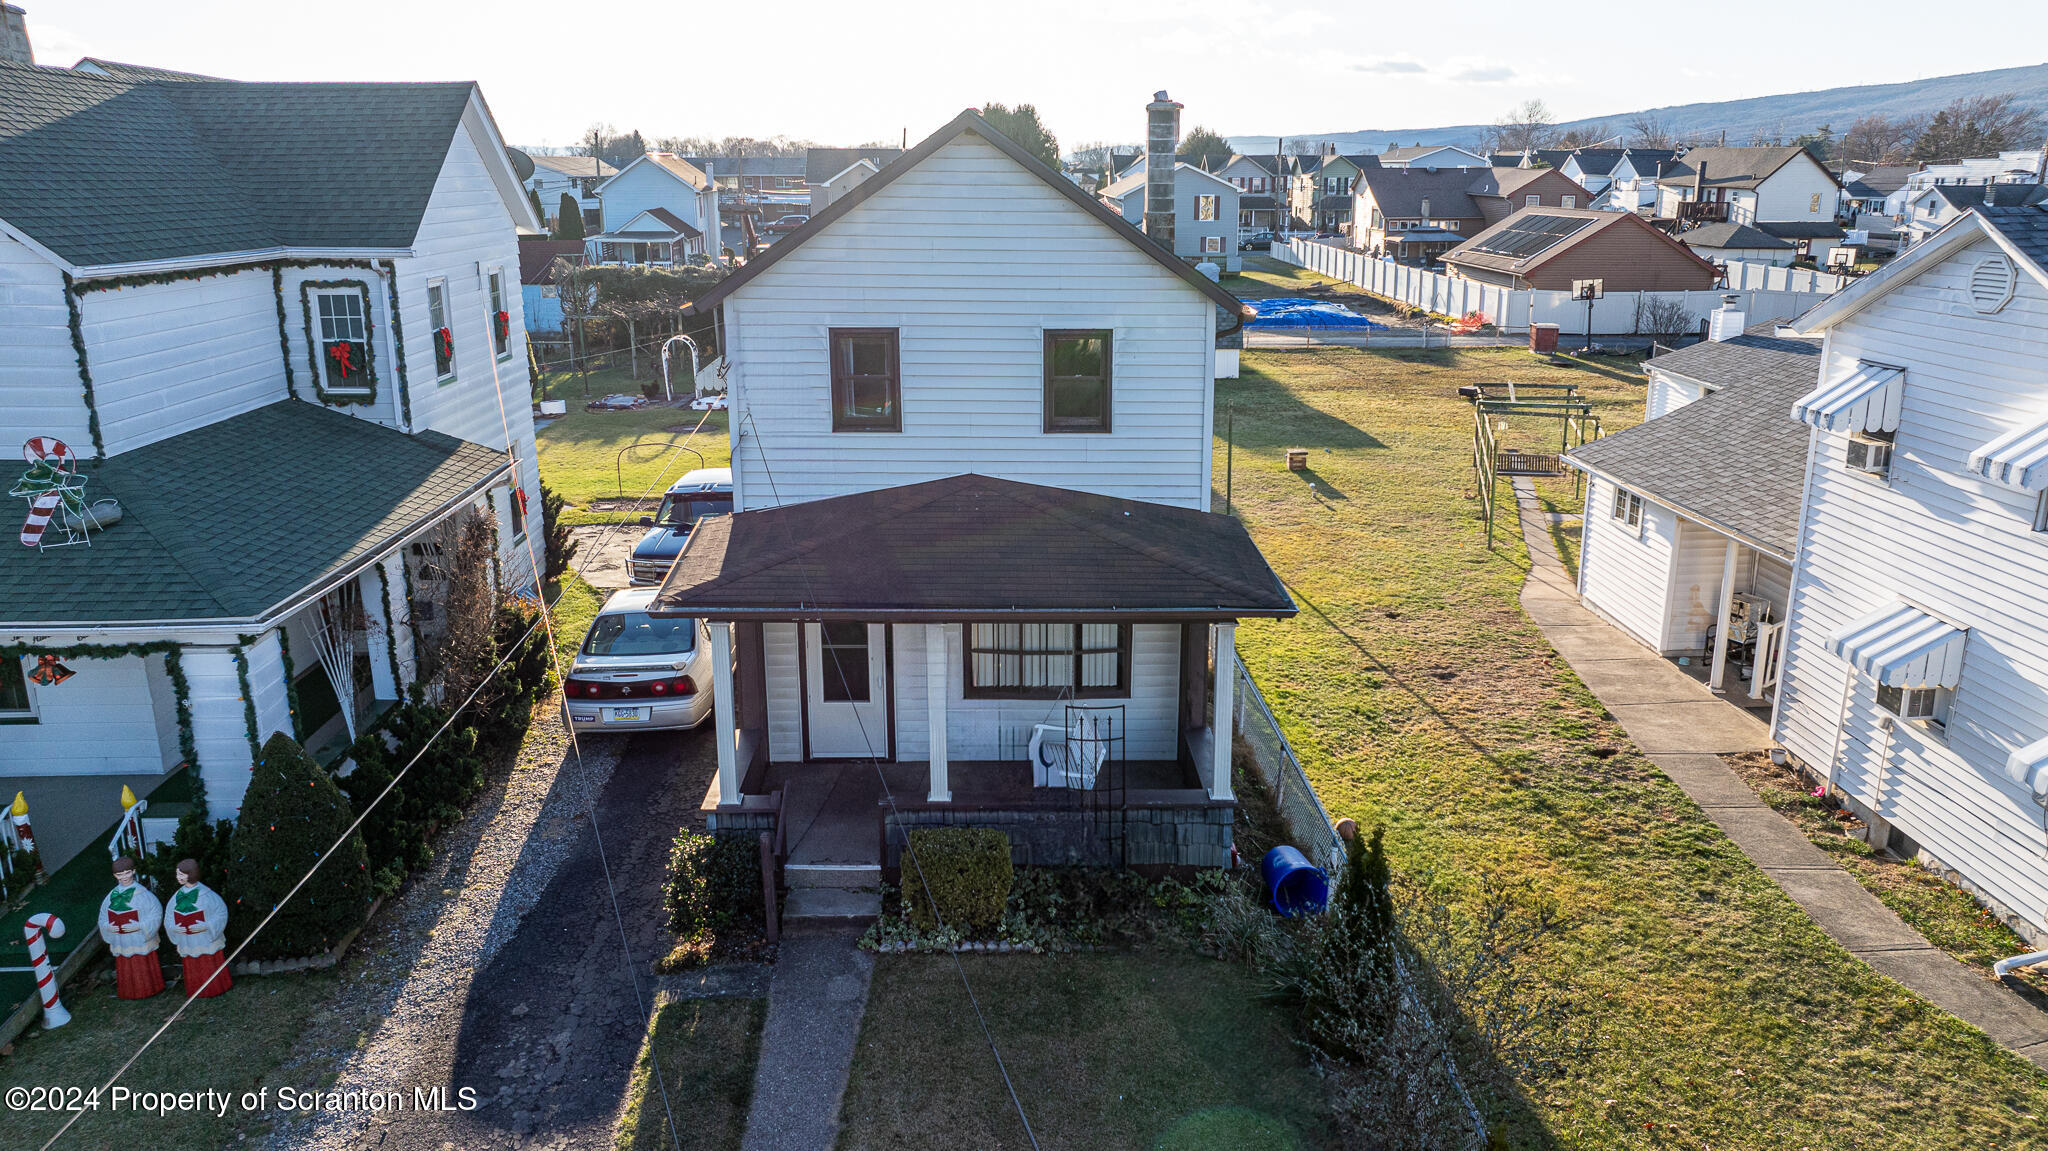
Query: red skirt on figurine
[137,976]
[197,970]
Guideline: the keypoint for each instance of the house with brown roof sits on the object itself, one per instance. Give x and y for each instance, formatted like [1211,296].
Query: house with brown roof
[1550,248]
[972,576]
[1417,214]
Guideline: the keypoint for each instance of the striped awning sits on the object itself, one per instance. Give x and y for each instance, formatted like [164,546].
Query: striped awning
[1900,645]
[2017,459]
[1865,400]
[2029,766]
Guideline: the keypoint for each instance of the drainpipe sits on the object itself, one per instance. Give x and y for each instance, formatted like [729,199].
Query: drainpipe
[2006,967]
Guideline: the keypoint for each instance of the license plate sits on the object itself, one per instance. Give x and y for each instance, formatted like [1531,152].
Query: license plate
[625,715]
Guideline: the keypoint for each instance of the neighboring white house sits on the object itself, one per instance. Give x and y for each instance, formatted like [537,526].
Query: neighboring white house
[2016,167]
[287,384]
[1723,242]
[1691,516]
[1916,673]
[971,413]
[1432,156]
[1939,205]
[1784,191]
[839,183]
[680,197]
[1204,209]
[579,176]
[823,165]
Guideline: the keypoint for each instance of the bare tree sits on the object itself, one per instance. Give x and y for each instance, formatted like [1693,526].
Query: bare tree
[1979,126]
[1524,128]
[1880,139]
[1645,130]
[1590,136]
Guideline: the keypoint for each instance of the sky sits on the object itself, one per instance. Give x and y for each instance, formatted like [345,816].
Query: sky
[847,73]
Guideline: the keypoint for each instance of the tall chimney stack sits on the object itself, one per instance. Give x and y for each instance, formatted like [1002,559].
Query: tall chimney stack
[1162,137]
[14,44]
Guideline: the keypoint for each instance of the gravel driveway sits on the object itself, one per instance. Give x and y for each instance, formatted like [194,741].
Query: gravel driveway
[461,987]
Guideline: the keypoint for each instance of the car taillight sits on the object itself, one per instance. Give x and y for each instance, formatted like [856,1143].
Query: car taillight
[683,686]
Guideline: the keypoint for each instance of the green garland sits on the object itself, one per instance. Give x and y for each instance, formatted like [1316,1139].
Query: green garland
[284,340]
[412,622]
[92,411]
[390,633]
[291,680]
[398,342]
[174,669]
[306,290]
[241,654]
[144,279]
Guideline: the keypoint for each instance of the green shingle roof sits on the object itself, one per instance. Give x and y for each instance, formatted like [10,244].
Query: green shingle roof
[229,520]
[145,165]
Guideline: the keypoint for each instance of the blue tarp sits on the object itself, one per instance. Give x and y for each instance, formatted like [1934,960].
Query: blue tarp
[1296,312]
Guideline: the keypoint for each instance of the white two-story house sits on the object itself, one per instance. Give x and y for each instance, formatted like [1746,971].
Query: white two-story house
[576,176]
[1916,674]
[1784,191]
[289,375]
[973,552]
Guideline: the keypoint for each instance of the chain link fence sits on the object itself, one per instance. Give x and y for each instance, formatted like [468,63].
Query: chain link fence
[1308,825]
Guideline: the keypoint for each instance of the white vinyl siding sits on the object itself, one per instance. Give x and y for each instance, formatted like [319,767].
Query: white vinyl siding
[1942,538]
[1668,393]
[101,721]
[1625,573]
[39,386]
[972,259]
[1695,600]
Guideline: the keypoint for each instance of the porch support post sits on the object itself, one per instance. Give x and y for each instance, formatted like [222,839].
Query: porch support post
[1224,704]
[383,685]
[936,689]
[1721,629]
[722,703]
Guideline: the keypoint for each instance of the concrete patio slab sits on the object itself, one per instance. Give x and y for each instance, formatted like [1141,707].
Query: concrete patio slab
[1701,725]
[1624,682]
[1767,838]
[1707,780]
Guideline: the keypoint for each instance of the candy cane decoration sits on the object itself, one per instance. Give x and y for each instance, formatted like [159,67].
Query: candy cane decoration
[49,448]
[38,926]
[59,456]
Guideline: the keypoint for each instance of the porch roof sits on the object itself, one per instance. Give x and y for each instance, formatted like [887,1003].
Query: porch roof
[233,520]
[977,547]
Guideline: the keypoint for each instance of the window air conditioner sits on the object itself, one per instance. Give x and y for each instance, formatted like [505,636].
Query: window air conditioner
[1907,702]
[1870,453]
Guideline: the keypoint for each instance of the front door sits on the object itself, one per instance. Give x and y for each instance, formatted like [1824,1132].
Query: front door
[846,672]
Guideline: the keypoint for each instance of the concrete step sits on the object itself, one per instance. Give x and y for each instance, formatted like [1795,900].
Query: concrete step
[831,903]
[832,875]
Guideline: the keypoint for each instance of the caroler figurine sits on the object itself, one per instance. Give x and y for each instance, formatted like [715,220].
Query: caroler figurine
[129,920]
[198,927]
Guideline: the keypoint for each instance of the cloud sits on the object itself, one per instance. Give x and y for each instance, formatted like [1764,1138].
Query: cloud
[1491,74]
[1390,66]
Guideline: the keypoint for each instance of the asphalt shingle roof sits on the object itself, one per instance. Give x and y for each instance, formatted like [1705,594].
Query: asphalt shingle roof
[1734,458]
[974,544]
[537,258]
[1728,235]
[575,165]
[107,170]
[1967,196]
[821,164]
[229,520]
[1730,167]
[2026,227]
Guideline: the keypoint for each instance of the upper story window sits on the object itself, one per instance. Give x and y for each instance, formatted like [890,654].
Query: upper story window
[1077,371]
[501,318]
[1531,200]
[1569,202]
[15,704]
[344,332]
[437,326]
[1205,207]
[867,380]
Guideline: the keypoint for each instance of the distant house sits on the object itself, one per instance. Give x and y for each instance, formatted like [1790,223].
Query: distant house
[1632,181]
[656,236]
[1596,169]
[657,200]
[1205,214]
[1501,192]
[1723,242]
[1335,179]
[836,186]
[1935,208]
[823,166]
[1783,190]
[1417,214]
[537,281]
[1272,191]
[1549,248]
[577,175]
[752,173]
[1677,537]
[1432,156]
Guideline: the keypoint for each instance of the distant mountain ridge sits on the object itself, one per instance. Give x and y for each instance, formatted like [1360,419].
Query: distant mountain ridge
[1788,115]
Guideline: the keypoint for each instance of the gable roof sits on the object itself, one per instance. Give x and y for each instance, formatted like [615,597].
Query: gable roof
[967,121]
[1727,235]
[1136,181]
[973,543]
[1400,154]
[2022,232]
[1548,234]
[335,493]
[821,164]
[89,163]
[1506,182]
[1736,167]
[1400,191]
[667,162]
[1680,459]
[861,162]
[1883,179]
[1965,196]
[1595,161]
[734,166]
[656,224]
[574,165]
[537,258]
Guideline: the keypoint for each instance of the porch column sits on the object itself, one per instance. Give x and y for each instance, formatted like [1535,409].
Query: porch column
[383,681]
[722,702]
[1223,703]
[936,690]
[1721,614]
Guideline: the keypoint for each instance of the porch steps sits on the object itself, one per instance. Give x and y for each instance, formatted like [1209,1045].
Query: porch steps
[831,903]
[840,875]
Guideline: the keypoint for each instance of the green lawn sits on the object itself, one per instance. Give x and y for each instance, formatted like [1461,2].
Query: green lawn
[581,453]
[1156,1047]
[707,1048]
[1420,696]
[1265,276]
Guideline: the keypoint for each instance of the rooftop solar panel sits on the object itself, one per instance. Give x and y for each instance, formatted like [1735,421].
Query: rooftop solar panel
[1528,237]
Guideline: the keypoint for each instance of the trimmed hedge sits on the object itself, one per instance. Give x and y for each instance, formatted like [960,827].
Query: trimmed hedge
[714,881]
[958,875]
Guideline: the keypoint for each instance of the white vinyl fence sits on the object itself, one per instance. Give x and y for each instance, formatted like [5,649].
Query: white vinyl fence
[1515,309]
[1772,278]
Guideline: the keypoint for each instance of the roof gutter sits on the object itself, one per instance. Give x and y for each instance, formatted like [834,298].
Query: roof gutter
[252,256]
[807,614]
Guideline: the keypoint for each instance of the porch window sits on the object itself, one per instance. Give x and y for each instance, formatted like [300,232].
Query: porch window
[1205,207]
[344,340]
[15,705]
[1048,660]
[845,666]
[867,380]
[1077,371]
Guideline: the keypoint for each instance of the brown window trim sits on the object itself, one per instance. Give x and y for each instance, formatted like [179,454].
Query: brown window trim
[842,381]
[1091,427]
[1122,690]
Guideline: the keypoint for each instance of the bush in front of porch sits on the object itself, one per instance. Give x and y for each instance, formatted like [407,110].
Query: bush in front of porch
[712,896]
[959,876]
[291,815]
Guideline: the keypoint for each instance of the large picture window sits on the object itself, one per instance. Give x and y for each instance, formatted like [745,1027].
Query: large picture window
[867,380]
[1077,370]
[1048,660]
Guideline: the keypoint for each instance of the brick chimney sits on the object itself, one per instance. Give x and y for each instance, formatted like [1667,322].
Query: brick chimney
[14,44]
[1162,137]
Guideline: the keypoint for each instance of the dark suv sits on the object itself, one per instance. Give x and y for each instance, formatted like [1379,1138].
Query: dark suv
[704,492]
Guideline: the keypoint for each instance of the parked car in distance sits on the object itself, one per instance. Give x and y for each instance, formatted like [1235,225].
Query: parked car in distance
[636,671]
[1257,241]
[785,223]
[703,492]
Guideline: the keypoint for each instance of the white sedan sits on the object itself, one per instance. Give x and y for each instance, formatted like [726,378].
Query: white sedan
[637,670]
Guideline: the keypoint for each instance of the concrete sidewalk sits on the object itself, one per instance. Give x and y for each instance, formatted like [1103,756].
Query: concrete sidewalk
[815,1003]
[1684,728]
